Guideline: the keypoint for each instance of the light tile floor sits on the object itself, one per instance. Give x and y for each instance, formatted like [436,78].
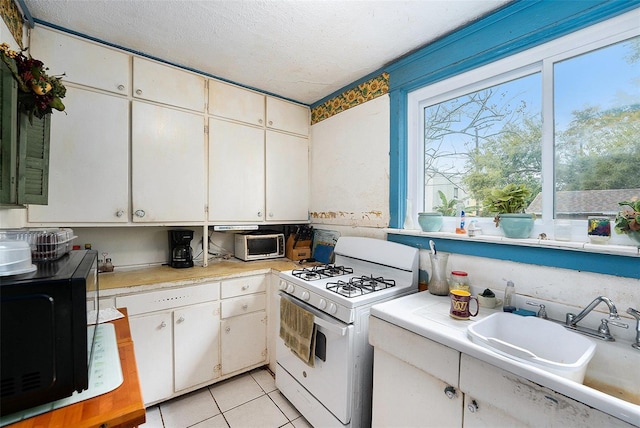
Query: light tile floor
[249,400]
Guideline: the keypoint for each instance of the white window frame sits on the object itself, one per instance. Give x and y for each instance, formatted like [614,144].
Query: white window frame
[541,58]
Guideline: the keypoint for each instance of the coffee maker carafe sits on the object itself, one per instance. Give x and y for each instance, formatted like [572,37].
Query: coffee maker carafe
[180,255]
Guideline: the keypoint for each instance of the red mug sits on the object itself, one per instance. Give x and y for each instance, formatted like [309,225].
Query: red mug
[460,300]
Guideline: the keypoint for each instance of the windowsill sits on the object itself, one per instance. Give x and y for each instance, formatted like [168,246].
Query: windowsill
[620,250]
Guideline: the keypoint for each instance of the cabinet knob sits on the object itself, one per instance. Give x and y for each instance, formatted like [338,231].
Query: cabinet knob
[270,214]
[140,213]
[138,91]
[163,324]
[245,287]
[181,319]
[259,213]
[450,392]
[473,406]
[260,121]
[121,87]
[270,122]
[119,213]
[245,307]
[227,330]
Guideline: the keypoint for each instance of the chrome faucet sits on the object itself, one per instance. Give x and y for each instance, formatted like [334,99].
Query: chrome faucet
[602,332]
[636,314]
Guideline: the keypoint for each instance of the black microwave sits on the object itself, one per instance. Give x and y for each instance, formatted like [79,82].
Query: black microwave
[45,348]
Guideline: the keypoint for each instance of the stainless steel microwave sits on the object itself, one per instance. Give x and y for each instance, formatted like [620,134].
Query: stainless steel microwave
[259,245]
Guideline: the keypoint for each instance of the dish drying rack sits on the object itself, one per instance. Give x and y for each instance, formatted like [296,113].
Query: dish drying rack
[46,244]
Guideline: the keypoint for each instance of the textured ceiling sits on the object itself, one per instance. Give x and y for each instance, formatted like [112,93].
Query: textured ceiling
[303,50]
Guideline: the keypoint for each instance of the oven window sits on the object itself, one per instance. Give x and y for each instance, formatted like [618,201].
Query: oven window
[262,245]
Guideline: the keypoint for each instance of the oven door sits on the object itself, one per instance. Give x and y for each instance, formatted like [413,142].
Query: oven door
[331,380]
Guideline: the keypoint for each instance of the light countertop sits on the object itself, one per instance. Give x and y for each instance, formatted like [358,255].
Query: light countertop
[159,276]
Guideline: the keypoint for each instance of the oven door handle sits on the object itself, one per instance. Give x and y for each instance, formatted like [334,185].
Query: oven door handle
[334,327]
[341,331]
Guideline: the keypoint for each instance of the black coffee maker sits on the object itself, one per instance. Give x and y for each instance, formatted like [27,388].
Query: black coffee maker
[180,254]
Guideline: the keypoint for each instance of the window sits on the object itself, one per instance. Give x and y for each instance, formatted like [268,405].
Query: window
[562,118]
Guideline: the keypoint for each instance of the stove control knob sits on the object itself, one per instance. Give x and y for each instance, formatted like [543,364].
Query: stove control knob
[282,285]
[333,308]
[305,295]
[322,304]
[290,288]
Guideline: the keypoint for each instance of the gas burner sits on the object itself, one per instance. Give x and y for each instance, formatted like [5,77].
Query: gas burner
[372,283]
[332,270]
[319,272]
[358,286]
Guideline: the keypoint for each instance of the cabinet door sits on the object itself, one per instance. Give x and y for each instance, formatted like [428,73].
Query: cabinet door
[153,348]
[167,85]
[501,395]
[406,396]
[196,343]
[168,165]
[82,62]
[287,163]
[236,172]
[88,161]
[243,341]
[234,102]
[287,116]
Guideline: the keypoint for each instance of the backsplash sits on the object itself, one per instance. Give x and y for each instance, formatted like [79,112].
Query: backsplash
[558,289]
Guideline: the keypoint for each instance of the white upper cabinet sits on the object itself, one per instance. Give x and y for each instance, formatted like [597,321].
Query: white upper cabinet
[167,165]
[82,62]
[89,161]
[236,103]
[167,85]
[288,117]
[236,172]
[287,177]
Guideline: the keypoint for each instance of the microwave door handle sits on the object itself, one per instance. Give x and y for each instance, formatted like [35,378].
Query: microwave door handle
[341,331]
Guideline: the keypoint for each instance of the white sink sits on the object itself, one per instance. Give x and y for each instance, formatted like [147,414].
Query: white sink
[535,341]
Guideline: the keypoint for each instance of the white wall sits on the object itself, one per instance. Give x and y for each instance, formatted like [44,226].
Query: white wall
[350,170]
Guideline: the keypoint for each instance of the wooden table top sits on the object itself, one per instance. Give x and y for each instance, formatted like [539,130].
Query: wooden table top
[121,408]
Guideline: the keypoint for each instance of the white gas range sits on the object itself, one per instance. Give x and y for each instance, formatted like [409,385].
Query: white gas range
[337,390]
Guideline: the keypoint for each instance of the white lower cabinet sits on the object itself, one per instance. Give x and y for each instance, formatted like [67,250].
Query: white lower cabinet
[243,341]
[188,337]
[195,345]
[152,341]
[494,396]
[243,328]
[420,383]
[415,380]
[176,338]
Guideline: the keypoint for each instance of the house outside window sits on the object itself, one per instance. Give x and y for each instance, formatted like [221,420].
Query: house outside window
[562,118]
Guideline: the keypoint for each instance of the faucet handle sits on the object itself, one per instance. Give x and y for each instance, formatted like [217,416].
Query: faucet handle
[604,326]
[634,313]
[542,312]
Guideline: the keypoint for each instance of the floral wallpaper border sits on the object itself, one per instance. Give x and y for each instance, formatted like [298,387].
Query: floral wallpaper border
[362,93]
[13,18]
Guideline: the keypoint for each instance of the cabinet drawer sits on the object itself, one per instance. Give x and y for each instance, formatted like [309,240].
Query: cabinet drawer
[243,286]
[166,299]
[243,305]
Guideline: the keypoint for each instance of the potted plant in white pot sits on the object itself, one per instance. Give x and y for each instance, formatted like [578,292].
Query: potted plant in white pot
[509,203]
[628,220]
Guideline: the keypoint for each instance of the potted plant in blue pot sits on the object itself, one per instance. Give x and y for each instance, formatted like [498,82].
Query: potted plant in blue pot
[509,203]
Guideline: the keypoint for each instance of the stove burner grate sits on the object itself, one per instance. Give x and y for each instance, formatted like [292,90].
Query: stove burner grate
[319,272]
[358,286]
